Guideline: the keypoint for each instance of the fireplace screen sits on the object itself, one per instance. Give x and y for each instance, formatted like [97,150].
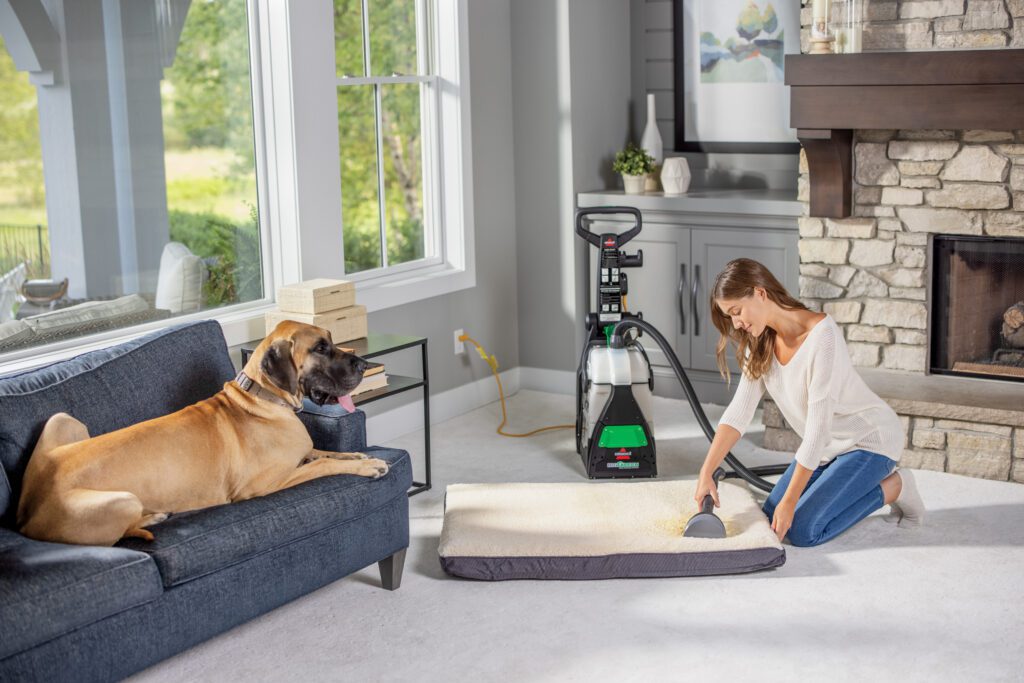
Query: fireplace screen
[978,307]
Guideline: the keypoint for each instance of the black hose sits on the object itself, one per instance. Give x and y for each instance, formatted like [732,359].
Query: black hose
[750,475]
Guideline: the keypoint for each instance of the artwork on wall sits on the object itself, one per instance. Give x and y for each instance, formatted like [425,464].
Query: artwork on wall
[730,94]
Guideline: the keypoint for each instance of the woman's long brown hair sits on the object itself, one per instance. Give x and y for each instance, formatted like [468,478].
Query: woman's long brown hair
[737,281]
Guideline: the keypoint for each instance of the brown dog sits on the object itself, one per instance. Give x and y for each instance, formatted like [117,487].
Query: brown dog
[238,444]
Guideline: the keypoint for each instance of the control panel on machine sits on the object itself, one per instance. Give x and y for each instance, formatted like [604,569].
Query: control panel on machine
[613,284]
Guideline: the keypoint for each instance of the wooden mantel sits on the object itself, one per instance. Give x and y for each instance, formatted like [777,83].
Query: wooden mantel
[833,95]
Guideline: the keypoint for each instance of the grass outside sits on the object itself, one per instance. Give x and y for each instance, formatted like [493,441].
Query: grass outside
[211,209]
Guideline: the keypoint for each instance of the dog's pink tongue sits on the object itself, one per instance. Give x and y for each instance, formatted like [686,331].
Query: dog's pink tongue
[347,403]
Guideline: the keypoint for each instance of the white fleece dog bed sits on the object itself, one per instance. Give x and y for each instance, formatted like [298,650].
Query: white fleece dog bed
[598,531]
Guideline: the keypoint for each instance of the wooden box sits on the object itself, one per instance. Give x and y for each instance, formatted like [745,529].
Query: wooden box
[316,296]
[344,324]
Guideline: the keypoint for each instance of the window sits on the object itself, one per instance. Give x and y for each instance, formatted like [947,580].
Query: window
[137,203]
[152,142]
[386,95]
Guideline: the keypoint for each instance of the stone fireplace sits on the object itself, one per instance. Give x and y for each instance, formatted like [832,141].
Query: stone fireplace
[928,203]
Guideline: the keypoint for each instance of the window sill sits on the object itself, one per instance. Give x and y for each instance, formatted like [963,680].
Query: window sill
[380,293]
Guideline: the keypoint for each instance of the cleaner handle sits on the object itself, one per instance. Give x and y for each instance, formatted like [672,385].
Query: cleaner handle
[708,505]
[594,239]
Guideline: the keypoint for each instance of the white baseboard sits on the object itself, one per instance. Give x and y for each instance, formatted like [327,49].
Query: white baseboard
[391,424]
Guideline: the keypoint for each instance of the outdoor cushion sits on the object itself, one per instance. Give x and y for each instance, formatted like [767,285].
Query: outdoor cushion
[179,285]
[598,531]
[87,312]
[49,589]
[193,544]
[15,331]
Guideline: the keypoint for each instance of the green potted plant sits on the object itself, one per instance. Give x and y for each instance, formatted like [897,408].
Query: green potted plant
[634,164]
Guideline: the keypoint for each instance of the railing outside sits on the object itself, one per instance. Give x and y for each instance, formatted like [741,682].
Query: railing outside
[25,243]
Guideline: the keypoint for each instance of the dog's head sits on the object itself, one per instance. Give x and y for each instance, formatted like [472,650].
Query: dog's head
[302,360]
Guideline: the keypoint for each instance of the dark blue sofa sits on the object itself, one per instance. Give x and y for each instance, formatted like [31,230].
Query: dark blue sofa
[89,613]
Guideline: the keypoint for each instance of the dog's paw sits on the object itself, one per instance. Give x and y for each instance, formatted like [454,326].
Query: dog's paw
[374,468]
[154,518]
[350,456]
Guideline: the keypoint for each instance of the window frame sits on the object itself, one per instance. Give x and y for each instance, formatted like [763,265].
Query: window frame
[307,137]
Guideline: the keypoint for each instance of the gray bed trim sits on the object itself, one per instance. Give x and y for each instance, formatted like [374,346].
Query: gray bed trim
[624,566]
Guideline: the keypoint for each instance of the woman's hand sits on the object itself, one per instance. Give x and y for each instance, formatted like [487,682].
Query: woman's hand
[782,520]
[705,486]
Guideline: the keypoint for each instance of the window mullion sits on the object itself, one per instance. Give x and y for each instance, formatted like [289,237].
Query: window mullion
[380,175]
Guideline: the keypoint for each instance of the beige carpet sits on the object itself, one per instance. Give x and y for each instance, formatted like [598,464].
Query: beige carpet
[879,603]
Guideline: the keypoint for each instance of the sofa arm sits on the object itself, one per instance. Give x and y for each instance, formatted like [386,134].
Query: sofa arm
[334,429]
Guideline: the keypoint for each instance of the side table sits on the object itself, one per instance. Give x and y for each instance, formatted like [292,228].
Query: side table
[374,345]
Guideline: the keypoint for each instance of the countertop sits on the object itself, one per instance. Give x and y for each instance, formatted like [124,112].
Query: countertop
[723,201]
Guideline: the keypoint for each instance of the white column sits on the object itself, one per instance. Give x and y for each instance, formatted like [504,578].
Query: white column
[78,166]
[134,72]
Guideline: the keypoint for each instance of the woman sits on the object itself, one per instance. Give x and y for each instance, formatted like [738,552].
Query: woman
[851,440]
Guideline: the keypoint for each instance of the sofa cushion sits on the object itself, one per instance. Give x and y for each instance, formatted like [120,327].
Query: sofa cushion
[49,589]
[110,389]
[193,544]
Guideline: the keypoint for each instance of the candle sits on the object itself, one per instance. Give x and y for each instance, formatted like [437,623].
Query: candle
[819,19]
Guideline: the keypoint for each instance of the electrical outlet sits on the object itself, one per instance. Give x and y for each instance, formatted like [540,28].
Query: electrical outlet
[460,346]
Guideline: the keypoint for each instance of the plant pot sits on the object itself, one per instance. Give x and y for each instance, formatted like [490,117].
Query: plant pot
[634,184]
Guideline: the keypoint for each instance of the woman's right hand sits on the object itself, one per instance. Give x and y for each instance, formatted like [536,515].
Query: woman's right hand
[706,486]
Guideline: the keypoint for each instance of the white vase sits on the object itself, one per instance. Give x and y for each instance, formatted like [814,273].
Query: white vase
[634,184]
[651,140]
[675,175]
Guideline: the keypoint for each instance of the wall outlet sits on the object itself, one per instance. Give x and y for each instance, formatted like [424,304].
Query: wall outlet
[460,346]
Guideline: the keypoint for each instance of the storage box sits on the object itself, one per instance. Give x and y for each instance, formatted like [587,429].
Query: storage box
[316,296]
[344,324]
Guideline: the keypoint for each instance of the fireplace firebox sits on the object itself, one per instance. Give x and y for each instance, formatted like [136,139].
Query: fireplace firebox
[978,307]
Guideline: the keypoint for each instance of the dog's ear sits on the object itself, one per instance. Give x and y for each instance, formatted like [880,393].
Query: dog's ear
[279,368]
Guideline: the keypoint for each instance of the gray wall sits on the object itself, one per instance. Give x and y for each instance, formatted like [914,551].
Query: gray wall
[487,311]
[571,102]
[653,72]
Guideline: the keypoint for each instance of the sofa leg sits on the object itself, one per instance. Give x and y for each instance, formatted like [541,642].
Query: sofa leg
[391,570]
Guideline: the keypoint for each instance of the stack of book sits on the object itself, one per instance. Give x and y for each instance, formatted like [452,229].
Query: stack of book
[330,304]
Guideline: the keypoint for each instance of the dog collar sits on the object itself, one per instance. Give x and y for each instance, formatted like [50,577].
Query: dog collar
[251,386]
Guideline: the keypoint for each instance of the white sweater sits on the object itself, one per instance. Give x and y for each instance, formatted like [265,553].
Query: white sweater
[823,399]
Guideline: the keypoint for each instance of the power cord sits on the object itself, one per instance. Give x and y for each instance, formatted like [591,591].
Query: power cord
[492,363]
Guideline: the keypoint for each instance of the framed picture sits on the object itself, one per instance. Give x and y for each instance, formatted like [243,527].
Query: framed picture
[730,94]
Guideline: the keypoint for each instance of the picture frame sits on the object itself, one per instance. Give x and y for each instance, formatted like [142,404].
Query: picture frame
[729,60]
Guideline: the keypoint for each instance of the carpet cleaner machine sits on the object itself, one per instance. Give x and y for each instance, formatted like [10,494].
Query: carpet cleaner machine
[615,383]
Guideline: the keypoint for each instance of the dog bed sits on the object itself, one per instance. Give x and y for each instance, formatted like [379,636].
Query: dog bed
[496,532]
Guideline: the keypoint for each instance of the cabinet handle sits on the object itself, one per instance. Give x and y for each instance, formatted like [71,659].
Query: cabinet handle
[693,300]
[679,298]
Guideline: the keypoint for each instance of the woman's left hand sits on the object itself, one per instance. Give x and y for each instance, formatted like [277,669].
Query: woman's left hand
[783,518]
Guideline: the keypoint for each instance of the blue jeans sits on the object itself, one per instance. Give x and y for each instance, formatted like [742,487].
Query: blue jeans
[839,494]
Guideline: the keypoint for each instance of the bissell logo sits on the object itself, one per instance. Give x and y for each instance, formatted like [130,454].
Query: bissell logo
[623,454]
[609,243]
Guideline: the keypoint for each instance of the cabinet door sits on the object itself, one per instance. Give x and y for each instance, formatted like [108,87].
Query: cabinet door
[711,249]
[657,289]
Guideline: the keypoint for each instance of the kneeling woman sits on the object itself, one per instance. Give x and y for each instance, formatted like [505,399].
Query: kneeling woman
[845,467]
